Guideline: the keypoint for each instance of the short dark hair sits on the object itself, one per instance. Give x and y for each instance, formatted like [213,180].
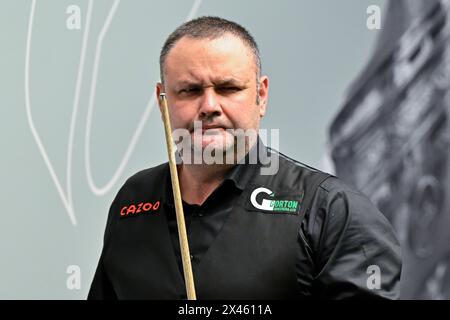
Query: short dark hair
[209,27]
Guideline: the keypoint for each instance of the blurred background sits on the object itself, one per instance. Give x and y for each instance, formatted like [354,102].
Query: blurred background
[78,117]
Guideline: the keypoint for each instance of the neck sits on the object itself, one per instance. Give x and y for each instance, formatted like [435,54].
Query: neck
[198,181]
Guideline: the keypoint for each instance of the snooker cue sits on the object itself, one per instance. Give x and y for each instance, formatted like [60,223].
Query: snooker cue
[182,235]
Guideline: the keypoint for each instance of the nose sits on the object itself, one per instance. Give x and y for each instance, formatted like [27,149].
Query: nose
[209,104]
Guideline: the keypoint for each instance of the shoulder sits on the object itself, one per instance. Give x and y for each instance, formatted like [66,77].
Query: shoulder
[336,198]
[148,175]
[326,184]
[144,185]
[334,184]
[293,173]
[334,207]
[342,206]
[149,179]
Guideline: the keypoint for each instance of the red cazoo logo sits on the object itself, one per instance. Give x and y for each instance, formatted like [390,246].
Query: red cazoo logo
[139,208]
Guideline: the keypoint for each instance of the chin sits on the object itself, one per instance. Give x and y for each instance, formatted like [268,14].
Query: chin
[217,143]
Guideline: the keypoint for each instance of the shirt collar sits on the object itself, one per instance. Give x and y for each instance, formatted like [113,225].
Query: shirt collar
[241,174]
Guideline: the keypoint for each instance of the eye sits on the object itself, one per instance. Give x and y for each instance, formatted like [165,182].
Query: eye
[228,89]
[189,91]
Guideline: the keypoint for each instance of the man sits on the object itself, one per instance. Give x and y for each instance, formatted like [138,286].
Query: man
[287,232]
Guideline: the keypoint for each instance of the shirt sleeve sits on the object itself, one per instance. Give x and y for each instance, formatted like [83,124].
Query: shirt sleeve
[101,286]
[347,248]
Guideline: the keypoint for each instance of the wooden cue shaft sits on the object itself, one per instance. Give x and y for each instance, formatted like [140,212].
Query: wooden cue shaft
[184,246]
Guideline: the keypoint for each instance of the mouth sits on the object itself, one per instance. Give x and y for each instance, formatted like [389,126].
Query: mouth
[212,131]
[204,128]
[208,127]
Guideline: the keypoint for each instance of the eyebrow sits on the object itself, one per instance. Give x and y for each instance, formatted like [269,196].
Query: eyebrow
[219,82]
[226,82]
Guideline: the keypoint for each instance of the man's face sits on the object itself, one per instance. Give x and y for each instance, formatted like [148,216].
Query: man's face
[213,81]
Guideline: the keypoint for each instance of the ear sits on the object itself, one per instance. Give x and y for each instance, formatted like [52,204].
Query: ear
[159,89]
[263,94]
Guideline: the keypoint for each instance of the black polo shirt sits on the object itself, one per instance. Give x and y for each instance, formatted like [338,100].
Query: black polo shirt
[204,222]
[341,239]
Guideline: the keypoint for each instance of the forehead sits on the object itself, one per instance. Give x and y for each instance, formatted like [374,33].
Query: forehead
[202,60]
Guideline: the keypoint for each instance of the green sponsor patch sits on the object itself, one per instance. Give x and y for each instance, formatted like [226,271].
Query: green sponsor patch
[284,205]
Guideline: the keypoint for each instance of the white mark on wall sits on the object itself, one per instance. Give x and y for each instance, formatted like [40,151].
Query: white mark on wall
[66,195]
[101,190]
